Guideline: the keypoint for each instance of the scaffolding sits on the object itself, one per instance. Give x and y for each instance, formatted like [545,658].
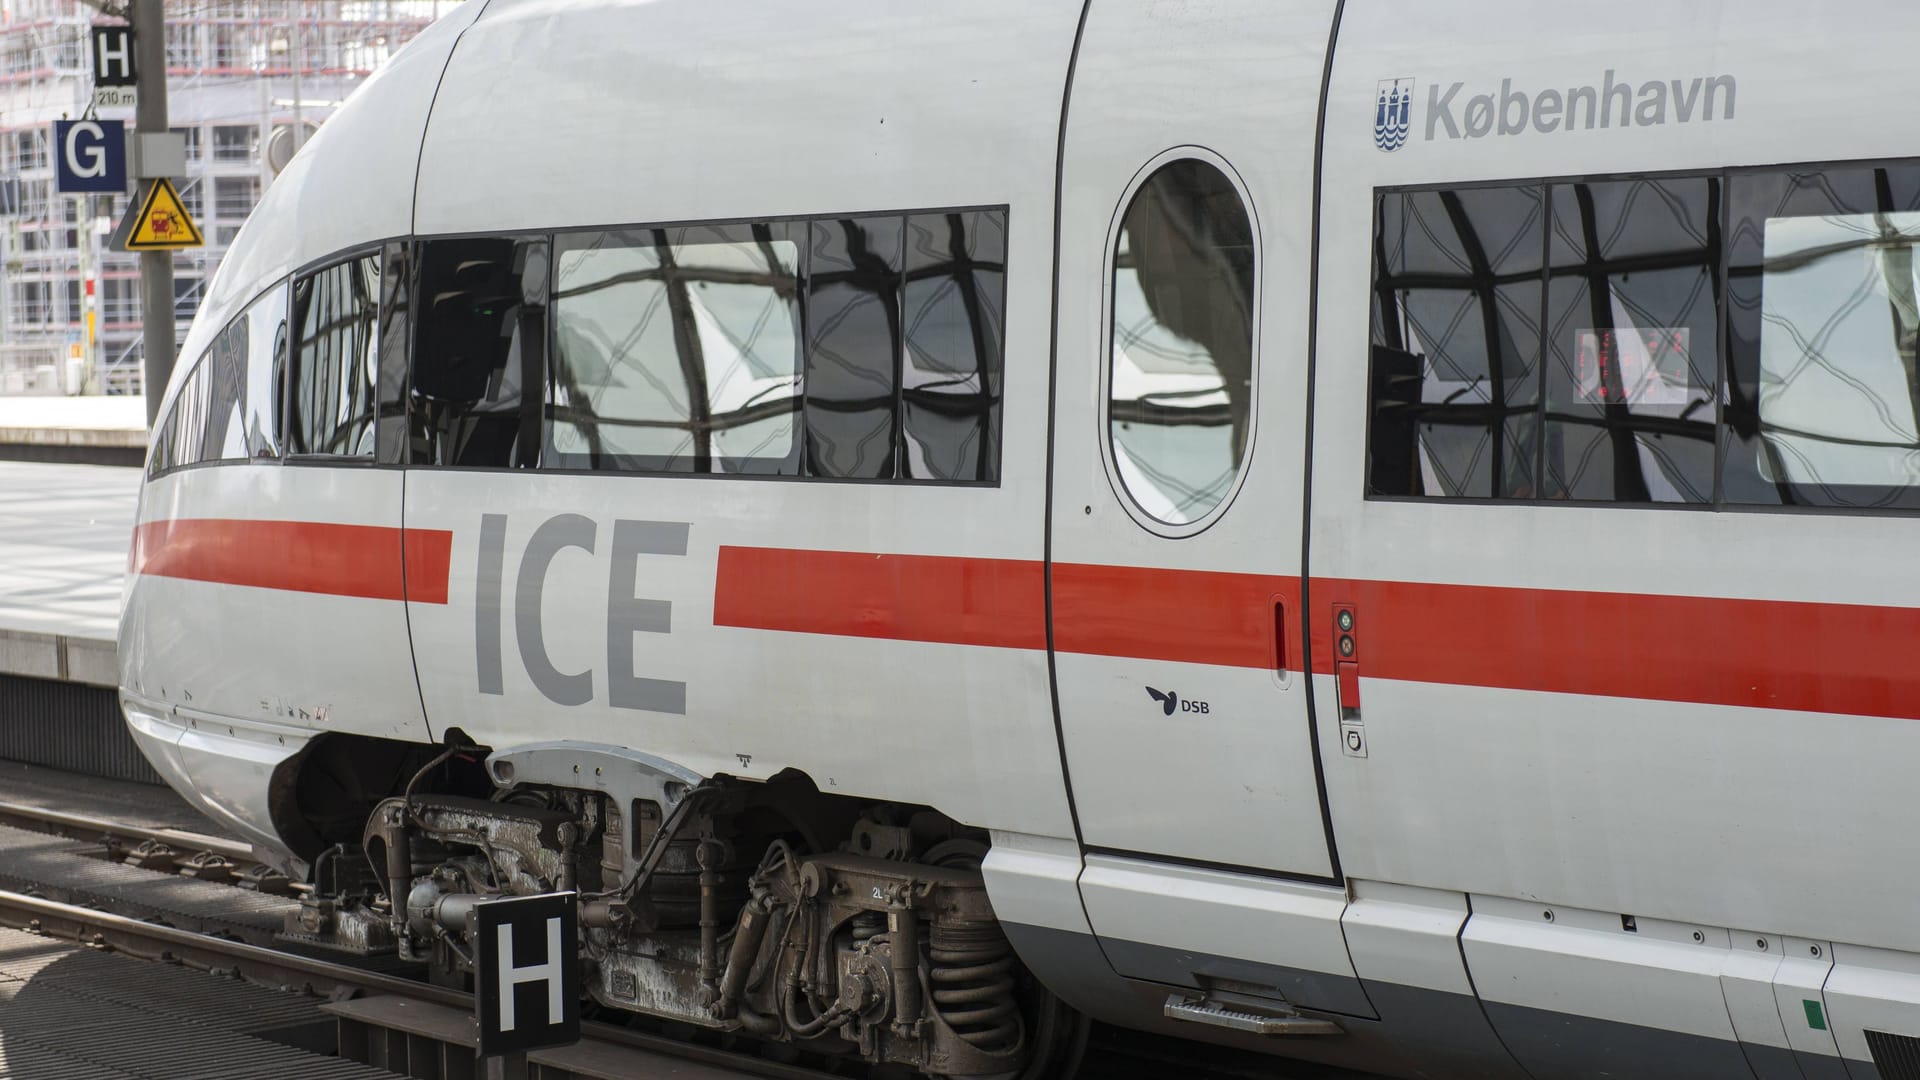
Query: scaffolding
[247,81]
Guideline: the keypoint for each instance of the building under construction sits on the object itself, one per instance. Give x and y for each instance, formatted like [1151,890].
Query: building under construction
[246,80]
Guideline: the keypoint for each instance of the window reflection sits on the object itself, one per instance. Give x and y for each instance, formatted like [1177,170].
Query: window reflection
[479,353]
[854,338]
[395,312]
[956,283]
[1181,377]
[676,350]
[1824,400]
[1632,333]
[226,364]
[330,402]
[1455,383]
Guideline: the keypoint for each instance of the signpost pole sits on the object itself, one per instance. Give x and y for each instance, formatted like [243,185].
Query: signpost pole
[148,19]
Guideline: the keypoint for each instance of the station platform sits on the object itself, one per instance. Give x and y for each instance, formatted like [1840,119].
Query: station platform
[64,535]
[91,429]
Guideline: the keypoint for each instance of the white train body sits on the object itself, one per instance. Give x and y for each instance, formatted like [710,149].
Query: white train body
[1606,786]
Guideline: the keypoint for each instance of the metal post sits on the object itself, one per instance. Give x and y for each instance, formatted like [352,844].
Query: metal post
[84,205]
[149,21]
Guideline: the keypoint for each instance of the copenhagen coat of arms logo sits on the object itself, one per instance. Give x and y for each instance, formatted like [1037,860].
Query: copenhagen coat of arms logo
[1393,114]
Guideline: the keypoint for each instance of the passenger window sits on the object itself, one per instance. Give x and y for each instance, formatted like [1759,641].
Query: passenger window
[1456,342]
[183,435]
[1823,403]
[1633,341]
[1180,384]
[330,401]
[266,357]
[676,350]
[479,352]
[956,274]
[226,361]
[854,340]
[396,287]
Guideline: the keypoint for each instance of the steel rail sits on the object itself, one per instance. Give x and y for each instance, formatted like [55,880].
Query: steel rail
[82,827]
[152,941]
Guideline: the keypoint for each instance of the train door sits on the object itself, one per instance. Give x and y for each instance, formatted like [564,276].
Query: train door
[1177,496]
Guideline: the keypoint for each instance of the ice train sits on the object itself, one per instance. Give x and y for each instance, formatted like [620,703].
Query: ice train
[1370,531]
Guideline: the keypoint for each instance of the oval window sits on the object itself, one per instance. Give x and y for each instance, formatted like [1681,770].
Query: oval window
[1180,384]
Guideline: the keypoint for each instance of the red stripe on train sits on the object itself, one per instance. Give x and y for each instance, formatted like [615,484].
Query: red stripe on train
[955,601]
[1766,654]
[1770,654]
[1188,615]
[298,556]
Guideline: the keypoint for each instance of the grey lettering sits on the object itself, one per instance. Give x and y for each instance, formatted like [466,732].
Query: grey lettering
[1716,83]
[1577,95]
[1478,120]
[1546,111]
[628,615]
[1440,110]
[1508,99]
[563,531]
[486,602]
[1611,92]
[1683,103]
[1613,103]
[1653,105]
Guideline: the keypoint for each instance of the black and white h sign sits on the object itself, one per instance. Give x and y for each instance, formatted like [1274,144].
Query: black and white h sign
[527,966]
[113,56]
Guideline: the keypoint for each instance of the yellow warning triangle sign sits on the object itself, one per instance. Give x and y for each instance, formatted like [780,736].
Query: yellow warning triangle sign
[158,221]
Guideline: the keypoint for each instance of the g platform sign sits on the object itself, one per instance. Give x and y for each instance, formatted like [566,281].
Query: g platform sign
[527,966]
[89,156]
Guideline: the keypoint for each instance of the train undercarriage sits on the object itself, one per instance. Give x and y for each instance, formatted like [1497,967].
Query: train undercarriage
[846,927]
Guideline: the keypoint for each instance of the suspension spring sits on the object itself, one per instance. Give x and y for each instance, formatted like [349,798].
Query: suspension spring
[972,975]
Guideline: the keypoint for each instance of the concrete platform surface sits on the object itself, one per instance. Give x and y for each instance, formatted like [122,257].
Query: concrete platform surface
[64,534]
[143,806]
[51,420]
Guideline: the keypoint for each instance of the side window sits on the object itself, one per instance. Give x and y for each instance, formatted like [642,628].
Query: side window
[955,324]
[182,436]
[1180,377]
[226,364]
[265,347]
[330,384]
[479,352]
[229,409]
[865,347]
[1633,332]
[1823,399]
[854,341]
[1456,342]
[676,350]
[396,312]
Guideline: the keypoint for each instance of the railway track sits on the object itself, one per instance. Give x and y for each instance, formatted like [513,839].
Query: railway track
[1111,1054]
[325,979]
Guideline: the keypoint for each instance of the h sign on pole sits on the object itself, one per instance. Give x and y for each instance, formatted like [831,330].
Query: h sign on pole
[113,56]
[89,156]
[527,970]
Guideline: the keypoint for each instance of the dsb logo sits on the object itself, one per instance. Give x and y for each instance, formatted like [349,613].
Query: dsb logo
[1171,702]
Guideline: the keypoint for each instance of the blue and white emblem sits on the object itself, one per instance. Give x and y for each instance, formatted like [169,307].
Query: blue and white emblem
[1393,114]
